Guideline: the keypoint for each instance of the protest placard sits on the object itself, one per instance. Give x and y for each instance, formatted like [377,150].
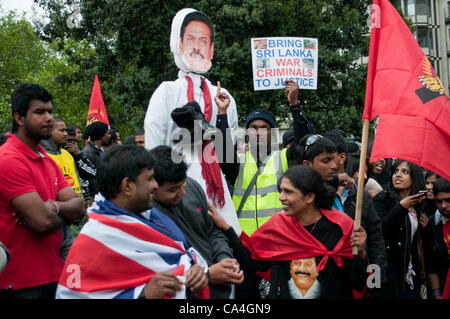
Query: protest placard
[277,59]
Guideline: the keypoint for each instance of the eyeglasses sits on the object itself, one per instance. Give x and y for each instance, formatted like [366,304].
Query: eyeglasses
[311,140]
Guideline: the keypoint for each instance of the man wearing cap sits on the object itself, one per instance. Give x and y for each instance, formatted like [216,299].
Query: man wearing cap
[288,137]
[98,135]
[192,44]
[255,194]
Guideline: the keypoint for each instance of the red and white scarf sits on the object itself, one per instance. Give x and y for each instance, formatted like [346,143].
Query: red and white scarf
[210,165]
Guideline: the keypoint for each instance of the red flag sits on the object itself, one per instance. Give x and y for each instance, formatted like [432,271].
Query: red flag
[97,110]
[404,90]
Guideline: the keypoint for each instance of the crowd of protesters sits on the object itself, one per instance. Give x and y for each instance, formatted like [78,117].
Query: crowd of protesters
[303,233]
[162,217]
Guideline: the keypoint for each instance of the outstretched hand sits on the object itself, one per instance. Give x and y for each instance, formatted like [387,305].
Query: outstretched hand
[222,100]
[217,218]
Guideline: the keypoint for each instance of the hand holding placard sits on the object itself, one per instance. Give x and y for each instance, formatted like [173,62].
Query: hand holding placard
[291,92]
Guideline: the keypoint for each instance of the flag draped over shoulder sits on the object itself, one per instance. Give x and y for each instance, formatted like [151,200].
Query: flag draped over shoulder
[407,95]
[284,238]
[97,110]
[117,253]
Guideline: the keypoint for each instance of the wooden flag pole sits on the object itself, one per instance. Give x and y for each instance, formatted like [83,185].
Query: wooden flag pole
[362,171]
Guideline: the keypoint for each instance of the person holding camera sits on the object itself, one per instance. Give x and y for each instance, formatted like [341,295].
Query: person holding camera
[399,208]
[86,170]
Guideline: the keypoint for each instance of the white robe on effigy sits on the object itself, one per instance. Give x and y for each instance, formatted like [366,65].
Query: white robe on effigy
[159,126]
[160,129]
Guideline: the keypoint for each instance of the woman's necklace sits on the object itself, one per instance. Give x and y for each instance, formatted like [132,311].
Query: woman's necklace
[314,226]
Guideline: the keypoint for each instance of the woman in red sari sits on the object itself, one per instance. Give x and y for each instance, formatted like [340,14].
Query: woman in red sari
[305,251]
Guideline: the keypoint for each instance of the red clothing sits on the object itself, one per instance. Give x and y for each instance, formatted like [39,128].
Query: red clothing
[210,165]
[35,257]
[284,238]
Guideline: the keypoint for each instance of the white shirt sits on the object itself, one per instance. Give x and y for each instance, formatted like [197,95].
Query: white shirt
[414,225]
[312,293]
[158,124]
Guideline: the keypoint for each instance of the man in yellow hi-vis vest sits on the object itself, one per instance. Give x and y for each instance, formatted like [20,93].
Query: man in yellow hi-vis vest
[255,174]
[255,195]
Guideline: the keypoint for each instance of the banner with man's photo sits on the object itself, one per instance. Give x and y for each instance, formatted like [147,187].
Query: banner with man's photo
[277,59]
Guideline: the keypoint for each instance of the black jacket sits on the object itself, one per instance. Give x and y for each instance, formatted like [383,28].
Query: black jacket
[92,152]
[376,248]
[435,251]
[87,173]
[400,249]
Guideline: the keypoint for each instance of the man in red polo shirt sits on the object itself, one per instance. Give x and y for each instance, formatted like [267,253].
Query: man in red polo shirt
[34,199]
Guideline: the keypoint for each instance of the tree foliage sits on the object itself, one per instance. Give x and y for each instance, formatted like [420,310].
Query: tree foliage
[21,54]
[132,55]
[62,66]
[66,76]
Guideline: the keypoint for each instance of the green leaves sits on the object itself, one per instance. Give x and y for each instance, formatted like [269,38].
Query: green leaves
[63,67]
[65,76]
[21,55]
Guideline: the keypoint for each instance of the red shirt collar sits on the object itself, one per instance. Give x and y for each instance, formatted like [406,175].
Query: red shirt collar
[23,148]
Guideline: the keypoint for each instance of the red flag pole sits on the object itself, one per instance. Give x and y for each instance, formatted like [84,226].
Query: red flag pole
[362,172]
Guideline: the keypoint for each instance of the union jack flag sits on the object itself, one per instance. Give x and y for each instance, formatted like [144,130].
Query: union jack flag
[117,253]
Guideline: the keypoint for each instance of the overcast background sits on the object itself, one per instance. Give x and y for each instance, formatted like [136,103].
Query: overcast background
[20,6]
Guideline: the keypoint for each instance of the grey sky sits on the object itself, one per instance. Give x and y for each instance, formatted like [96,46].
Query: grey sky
[21,6]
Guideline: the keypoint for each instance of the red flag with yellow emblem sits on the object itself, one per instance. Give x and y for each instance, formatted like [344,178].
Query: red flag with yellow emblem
[97,110]
[407,95]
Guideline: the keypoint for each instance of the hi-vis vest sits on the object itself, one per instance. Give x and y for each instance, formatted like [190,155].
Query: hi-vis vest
[263,200]
[66,162]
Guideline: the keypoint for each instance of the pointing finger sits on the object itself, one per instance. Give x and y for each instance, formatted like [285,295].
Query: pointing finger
[218,87]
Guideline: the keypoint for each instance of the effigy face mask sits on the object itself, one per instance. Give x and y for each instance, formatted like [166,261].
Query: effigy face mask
[194,49]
